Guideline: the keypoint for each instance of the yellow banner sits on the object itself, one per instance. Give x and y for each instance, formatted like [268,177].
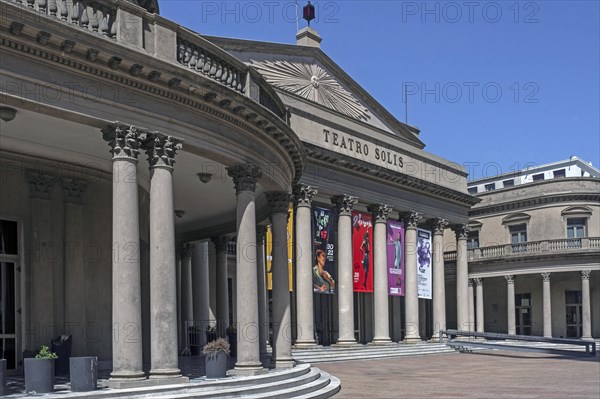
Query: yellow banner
[290,245]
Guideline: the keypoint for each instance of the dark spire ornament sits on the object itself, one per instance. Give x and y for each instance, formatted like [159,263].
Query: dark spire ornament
[308,12]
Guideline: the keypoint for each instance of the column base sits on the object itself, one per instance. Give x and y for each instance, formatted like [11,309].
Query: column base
[590,338]
[412,340]
[380,342]
[345,343]
[246,370]
[120,381]
[307,345]
[283,363]
[160,374]
[165,380]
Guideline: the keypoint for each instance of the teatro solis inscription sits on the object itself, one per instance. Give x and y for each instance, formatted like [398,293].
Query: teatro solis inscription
[361,148]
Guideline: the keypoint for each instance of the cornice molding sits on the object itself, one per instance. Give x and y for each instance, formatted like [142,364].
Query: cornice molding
[535,202]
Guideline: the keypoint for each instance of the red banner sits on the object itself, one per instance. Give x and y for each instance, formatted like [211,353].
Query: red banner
[362,251]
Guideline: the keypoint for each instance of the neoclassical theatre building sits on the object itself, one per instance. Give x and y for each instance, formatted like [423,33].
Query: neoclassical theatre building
[141,163]
[534,251]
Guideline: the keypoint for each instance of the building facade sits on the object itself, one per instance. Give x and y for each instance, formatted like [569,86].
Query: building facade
[533,251]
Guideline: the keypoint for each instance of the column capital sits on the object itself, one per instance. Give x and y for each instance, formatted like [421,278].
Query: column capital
[245,176]
[124,141]
[380,212]
[510,279]
[186,251]
[303,194]
[439,225]
[546,276]
[344,204]
[461,231]
[161,150]
[411,219]
[220,243]
[470,282]
[585,274]
[39,184]
[478,281]
[278,202]
[73,189]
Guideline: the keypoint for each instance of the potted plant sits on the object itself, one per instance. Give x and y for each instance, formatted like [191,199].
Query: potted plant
[215,355]
[232,338]
[39,371]
[211,333]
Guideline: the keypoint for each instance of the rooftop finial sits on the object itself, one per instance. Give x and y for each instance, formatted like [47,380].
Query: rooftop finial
[308,12]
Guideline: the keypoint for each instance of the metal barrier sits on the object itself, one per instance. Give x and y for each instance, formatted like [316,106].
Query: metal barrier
[460,344]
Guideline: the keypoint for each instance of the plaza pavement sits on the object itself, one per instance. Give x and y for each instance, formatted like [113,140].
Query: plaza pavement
[485,374]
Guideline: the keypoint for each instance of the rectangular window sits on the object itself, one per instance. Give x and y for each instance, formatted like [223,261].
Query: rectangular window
[490,187]
[472,190]
[575,227]
[559,173]
[573,313]
[518,237]
[523,314]
[538,177]
[473,239]
[509,183]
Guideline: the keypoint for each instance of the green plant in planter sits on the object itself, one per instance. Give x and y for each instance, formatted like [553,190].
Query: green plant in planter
[213,348]
[46,353]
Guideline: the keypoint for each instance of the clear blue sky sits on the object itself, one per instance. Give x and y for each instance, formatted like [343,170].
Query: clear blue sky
[492,84]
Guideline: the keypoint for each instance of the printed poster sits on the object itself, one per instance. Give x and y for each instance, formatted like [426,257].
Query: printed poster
[362,252]
[424,263]
[395,257]
[323,227]
[290,249]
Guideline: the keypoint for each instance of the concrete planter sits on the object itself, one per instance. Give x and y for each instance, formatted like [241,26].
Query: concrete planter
[2,376]
[84,373]
[216,366]
[39,375]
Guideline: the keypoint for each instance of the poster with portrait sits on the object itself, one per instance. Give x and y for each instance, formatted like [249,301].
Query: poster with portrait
[323,227]
[290,253]
[395,257]
[424,263]
[362,252]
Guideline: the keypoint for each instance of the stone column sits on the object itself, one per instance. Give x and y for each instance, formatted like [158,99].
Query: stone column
[187,303]
[201,288]
[470,293]
[586,314]
[125,142]
[547,305]
[303,196]
[479,310]
[345,288]
[381,320]
[245,178]
[462,278]
[222,284]
[439,282]
[161,150]
[282,333]
[263,313]
[510,307]
[411,294]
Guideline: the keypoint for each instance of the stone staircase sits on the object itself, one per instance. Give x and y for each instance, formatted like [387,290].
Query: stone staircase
[301,382]
[362,352]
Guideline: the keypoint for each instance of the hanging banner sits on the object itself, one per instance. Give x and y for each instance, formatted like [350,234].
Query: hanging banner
[362,251]
[323,250]
[290,251]
[395,257]
[424,263]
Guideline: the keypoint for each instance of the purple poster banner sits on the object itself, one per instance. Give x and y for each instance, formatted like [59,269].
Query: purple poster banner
[395,257]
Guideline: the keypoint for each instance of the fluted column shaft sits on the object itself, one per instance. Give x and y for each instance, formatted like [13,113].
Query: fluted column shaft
[345,288]
[248,362]
[201,287]
[462,279]
[381,319]
[479,310]
[304,287]
[263,316]
[547,303]
[586,313]
[222,284]
[126,279]
[161,150]
[282,333]
[411,298]
[510,293]
[471,294]
[439,282]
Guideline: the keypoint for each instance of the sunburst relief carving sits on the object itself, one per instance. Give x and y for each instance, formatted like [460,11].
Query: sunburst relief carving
[312,82]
